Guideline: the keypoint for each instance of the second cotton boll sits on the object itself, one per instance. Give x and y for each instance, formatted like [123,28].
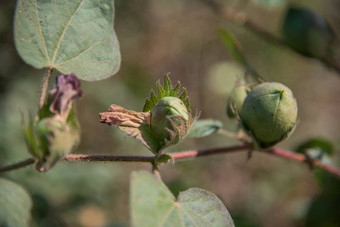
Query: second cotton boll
[269,113]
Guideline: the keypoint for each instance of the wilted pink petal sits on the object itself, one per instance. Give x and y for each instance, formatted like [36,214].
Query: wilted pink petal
[67,88]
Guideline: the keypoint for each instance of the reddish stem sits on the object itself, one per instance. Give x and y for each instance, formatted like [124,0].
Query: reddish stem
[183,155]
[286,154]
[196,153]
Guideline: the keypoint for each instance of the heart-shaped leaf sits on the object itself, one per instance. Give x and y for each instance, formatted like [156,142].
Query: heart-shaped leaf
[15,204]
[70,36]
[152,204]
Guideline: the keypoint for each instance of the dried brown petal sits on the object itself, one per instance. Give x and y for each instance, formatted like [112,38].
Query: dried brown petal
[120,116]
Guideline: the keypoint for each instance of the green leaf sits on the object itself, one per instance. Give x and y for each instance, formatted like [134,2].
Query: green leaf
[235,50]
[271,3]
[233,46]
[152,204]
[205,127]
[320,144]
[70,36]
[163,158]
[44,111]
[328,182]
[307,32]
[324,208]
[15,205]
[30,139]
[165,91]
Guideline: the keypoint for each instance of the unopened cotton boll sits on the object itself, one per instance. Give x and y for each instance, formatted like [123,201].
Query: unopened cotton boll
[167,115]
[269,113]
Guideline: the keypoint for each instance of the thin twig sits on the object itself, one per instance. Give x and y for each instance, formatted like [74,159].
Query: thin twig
[328,168]
[184,156]
[107,158]
[302,158]
[241,18]
[286,154]
[17,165]
[198,153]
[175,156]
[44,87]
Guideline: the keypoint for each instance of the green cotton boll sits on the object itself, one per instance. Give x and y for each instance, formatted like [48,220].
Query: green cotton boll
[236,99]
[55,139]
[307,32]
[163,118]
[269,113]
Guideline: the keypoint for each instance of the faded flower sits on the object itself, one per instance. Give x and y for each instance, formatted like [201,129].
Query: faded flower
[67,88]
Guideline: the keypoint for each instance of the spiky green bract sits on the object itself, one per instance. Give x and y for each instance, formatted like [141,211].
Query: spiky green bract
[236,99]
[167,90]
[269,113]
[170,119]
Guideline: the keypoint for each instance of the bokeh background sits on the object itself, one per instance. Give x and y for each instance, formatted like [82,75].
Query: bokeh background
[181,37]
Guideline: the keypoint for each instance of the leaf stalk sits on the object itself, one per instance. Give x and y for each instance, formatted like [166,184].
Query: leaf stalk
[44,87]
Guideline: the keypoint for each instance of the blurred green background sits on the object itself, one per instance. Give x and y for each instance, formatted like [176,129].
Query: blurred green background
[181,37]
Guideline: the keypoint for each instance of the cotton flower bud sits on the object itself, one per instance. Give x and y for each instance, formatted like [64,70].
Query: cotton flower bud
[236,99]
[269,113]
[170,119]
[54,140]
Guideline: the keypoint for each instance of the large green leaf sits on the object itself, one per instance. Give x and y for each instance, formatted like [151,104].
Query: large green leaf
[152,204]
[15,205]
[71,36]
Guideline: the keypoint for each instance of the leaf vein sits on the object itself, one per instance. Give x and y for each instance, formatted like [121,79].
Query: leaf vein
[40,32]
[181,217]
[64,31]
[192,221]
[82,53]
[166,215]
[192,201]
